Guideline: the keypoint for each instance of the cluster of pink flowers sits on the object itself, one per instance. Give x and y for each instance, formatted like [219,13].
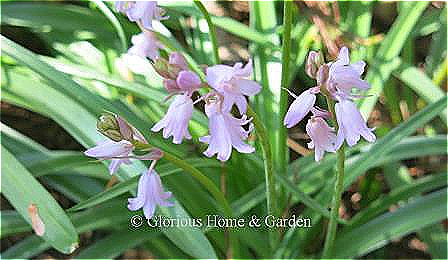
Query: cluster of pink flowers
[229,86]
[336,79]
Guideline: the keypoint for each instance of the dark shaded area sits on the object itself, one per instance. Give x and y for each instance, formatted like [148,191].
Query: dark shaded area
[41,129]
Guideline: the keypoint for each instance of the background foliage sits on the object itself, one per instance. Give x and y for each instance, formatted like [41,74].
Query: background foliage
[63,66]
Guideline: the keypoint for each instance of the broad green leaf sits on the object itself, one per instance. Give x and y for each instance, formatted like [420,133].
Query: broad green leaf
[386,143]
[389,50]
[115,244]
[107,216]
[131,184]
[227,24]
[418,81]
[391,225]
[405,192]
[21,189]
[191,240]
[435,237]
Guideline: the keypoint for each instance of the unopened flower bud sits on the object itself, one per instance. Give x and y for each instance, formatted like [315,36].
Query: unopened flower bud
[313,62]
[161,66]
[114,127]
[322,75]
[170,85]
[178,59]
[166,69]
[126,130]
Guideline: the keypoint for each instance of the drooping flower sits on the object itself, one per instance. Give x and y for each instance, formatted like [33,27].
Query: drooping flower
[145,44]
[343,76]
[225,131]
[150,194]
[351,124]
[175,121]
[323,137]
[111,150]
[188,81]
[119,148]
[233,84]
[301,106]
[142,12]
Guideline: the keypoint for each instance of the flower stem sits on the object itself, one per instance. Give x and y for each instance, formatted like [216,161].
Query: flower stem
[282,148]
[332,225]
[261,131]
[268,169]
[199,176]
[211,28]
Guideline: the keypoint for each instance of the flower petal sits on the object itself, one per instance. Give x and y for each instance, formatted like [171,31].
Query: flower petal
[248,87]
[299,108]
[188,81]
[218,74]
[110,149]
[142,190]
[343,56]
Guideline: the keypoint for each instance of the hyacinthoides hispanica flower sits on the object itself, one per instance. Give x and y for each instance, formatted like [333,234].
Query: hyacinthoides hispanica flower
[141,12]
[230,85]
[122,146]
[126,142]
[150,193]
[225,130]
[336,80]
[231,82]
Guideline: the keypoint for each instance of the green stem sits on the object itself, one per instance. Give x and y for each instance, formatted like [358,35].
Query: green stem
[331,231]
[211,29]
[204,180]
[268,168]
[282,148]
[261,130]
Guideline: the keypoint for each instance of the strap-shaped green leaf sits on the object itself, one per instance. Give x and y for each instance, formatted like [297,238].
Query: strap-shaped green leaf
[418,81]
[404,220]
[21,190]
[389,49]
